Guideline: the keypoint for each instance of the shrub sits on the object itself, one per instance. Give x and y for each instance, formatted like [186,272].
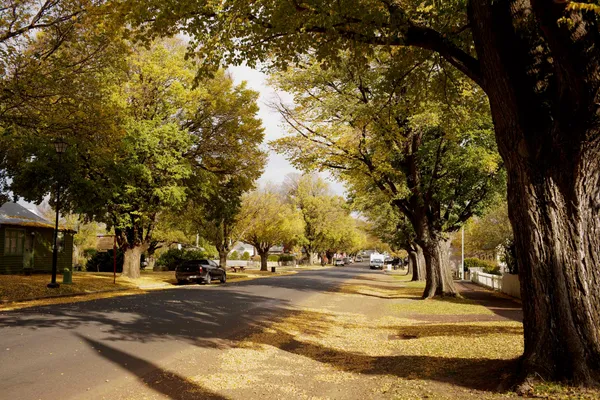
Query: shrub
[246,256]
[510,257]
[286,257]
[273,257]
[173,257]
[489,267]
[89,252]
[234,255]
[103,262]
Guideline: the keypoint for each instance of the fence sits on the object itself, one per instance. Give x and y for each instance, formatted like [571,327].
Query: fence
[487,280]
[507,283]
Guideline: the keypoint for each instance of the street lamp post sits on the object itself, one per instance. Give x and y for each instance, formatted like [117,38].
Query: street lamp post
[60,146]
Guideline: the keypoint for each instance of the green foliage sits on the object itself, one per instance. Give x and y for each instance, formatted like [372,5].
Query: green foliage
[286,258]
[489,267]
[245,256]
[484,235]
[273,258]
[104,262]
[402,129]
[173,257]
[234,255]
[509,256]
[267,220]
[327,221]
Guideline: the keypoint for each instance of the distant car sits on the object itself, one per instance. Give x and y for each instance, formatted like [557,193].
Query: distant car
[376,264]
[201,271]
[358,259]
[347,260]
[338,262]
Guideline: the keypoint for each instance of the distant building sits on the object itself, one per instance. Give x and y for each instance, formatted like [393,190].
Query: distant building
[241,248]
[26,241]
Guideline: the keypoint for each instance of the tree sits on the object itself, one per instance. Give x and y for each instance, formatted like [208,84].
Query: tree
[391,227]
[227,137]
[164,144]
[484,235]
[538,62]
[326,217]
[266,220]
[436,163]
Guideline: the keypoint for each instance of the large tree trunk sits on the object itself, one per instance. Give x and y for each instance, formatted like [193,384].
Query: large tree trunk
[223,258]
[555,216]
[549,137]
[131,261]
[417,264]
[264,257]
[437,265]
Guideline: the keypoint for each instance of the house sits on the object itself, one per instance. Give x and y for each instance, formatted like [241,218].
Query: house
[242,248]
[26,242]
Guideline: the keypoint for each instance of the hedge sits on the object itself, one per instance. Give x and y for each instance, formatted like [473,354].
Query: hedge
[489,267]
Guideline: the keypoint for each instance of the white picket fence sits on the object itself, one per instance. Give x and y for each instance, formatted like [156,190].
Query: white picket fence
[506,283]
[487,280]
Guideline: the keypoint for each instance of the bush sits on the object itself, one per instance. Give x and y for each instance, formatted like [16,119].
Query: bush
[89,252]
[246,256]
[287,258]
[173,257]
[234,255]
[489,267]
[510,257]
[103,262]
[273,257]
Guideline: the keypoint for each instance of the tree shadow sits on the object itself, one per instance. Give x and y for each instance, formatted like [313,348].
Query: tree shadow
[503,307]
[440,330]
[198,316]
[168,383]
[471,373]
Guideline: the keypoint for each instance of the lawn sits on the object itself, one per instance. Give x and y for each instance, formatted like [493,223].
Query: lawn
[376,339]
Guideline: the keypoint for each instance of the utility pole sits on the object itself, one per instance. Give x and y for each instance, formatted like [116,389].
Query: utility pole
[462,257]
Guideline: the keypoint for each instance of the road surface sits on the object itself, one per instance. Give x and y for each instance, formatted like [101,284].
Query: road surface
[88,349]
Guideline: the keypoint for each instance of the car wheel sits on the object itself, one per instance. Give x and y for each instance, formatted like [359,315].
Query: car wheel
[207,279]
[223,278]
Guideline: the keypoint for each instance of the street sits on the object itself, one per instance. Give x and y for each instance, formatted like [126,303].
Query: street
[101,348]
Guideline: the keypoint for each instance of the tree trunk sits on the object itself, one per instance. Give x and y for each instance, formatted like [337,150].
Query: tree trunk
[131,261]
[151,262]
[556,223]
[264,257]
[548,134]
[223,258]
[437,265]
[417,263]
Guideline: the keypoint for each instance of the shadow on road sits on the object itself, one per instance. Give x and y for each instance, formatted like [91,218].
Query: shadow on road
[170,384]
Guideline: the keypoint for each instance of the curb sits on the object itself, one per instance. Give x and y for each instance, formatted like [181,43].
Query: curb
[58,296]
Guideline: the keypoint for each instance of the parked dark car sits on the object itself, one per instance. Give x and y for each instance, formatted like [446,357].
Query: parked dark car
[201,271]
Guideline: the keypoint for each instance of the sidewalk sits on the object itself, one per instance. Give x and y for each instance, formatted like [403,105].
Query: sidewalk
[501,305]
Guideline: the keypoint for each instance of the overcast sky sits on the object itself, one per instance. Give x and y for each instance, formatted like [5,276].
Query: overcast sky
[277,167]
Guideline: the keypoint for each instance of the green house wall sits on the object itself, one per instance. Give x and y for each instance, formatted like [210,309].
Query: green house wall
[42,251]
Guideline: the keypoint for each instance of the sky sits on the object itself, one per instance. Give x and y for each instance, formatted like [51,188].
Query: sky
[277,167]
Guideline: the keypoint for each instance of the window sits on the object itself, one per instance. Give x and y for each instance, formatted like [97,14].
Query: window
[13,242]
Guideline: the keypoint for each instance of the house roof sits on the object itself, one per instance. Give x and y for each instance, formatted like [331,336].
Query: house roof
[16,214]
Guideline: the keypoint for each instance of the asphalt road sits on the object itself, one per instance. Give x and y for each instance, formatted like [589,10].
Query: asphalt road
[75,351]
